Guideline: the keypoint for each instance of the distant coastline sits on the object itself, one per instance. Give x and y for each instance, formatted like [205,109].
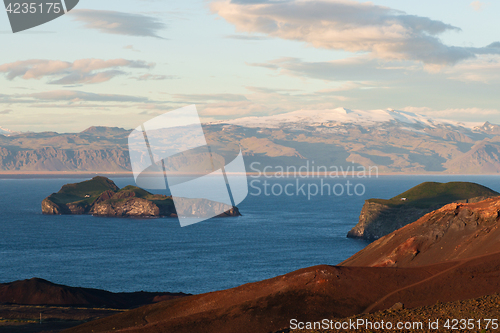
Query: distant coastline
[86,174]
[59,174]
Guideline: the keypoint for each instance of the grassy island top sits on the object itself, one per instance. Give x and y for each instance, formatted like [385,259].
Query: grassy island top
[433,193]
[93,186]
[88,191]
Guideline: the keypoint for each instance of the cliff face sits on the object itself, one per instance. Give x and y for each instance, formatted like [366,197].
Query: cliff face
[96,149]
[127,207]
[52,206]
[377,220]
[52,159]
[455,231]
[101,197]
[380,217]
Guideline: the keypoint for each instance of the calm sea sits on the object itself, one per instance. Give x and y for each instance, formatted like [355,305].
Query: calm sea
[277,234]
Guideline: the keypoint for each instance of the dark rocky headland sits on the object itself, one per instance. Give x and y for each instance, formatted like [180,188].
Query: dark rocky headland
[380,217]
[101,197]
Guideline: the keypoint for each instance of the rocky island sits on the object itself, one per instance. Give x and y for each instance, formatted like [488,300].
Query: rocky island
[444,265]
[101,197]
[380,217]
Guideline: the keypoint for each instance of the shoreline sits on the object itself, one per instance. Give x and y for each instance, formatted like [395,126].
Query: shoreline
[59,174]
[86,174]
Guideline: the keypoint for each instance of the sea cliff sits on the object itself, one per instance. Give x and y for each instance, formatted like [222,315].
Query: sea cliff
[380,217]
[101,197]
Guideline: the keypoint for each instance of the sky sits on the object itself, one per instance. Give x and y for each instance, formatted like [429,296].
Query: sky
[121,63]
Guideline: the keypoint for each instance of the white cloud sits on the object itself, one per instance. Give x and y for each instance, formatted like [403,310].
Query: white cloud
[66,98]
[360,68]
[118,23]
[485,69]
[63,72]
[231,109]
[477,5]
[203,98]
[131,48]
[461,114]
[349,25]
[264,90]
[152,77]
[77,96]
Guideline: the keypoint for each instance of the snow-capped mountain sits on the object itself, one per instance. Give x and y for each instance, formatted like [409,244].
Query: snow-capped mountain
[489,128]
[342,116]
[394,141]
[6,132]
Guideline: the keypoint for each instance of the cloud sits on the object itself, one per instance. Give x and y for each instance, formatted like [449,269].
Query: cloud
[131,48]
[346,87]
[264,90]
[232,109]
[210,97]
[152,77]
[118,23]
[484,69]
[82,99]
[76,96]
[347,25]
[80,71]
[6,111]
[472,114]
[360,68]
[477,5]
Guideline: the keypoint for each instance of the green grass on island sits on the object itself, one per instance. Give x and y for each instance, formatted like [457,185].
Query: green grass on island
[433,194]
[86,192]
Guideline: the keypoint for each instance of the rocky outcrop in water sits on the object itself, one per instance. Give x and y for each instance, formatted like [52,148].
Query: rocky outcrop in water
[101,197]
[377,220]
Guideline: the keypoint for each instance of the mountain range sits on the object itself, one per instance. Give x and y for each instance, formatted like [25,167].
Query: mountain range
[394,141]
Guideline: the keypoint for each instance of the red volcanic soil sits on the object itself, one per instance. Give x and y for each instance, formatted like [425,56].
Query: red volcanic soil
[478,310]
[448,255]
[309,294]
[41,292]
[456,231]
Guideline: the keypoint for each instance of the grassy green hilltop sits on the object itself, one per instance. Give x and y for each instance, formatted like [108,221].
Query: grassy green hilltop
[101,196]
[434,193]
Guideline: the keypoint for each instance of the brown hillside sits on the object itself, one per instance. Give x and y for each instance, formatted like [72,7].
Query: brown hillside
[41,292]
[309,294]
[455,231]
[450,254]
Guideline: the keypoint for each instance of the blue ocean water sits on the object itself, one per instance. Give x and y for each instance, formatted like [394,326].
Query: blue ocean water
[277,234]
